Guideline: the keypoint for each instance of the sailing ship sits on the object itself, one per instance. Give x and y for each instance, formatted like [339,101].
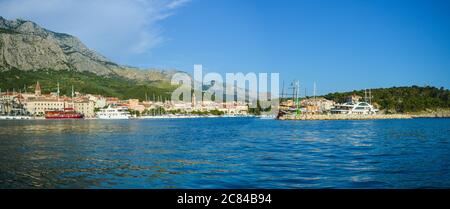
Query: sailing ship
[65,113]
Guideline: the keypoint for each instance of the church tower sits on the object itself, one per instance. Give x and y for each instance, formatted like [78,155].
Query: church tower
[194,102]
[37,89]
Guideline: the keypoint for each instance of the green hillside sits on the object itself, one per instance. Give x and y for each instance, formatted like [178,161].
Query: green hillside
[392,100]
[84,82]
[403,99]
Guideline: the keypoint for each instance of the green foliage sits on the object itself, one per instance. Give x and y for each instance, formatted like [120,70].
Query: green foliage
[197,112]
[403,99]
[84,82]
[155,111]
[258,109]
[212,112]
[216,112]
[134,112]
[177,111]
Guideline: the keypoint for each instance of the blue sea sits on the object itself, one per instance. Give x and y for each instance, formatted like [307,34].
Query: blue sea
[225,153]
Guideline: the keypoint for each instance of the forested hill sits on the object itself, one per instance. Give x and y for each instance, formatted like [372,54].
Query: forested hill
[84,82]
[403,99]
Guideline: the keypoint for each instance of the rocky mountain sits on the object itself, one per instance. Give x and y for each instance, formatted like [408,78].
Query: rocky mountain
[26,46]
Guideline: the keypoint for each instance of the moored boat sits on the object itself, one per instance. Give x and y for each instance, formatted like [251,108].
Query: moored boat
[114,113]
[66,113]
[15,117]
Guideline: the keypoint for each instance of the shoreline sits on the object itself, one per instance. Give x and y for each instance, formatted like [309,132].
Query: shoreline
[285,117]
[17,118]
[362,117]
[345,117]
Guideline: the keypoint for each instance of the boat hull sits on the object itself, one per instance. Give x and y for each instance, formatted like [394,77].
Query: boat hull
[67,113]
[113,117]
[64,117]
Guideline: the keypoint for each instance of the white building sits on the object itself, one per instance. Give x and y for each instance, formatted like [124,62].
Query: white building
[99,100]
[85,107]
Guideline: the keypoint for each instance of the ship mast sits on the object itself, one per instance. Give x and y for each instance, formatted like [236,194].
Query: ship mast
[365,95]
[73,103]
[57,91]
[295,95]
[298,97]
[314,91]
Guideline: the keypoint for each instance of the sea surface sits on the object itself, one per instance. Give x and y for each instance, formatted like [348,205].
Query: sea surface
[225,153]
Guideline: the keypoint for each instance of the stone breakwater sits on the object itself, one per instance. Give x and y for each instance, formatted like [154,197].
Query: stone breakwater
[344,117]
[432,115]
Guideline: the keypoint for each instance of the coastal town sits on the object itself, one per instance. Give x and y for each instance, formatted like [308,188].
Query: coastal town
[37,105]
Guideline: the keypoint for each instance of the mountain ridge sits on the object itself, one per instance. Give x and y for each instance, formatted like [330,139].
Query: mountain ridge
[24,45]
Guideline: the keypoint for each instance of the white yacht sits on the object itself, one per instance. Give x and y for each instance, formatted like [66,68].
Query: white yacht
[114,113]
[362,108]
[267,117]
[15,117]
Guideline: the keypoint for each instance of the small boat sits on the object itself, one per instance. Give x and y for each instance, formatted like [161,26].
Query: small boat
[15,117]
[66,113]
[114,113]
[267,117]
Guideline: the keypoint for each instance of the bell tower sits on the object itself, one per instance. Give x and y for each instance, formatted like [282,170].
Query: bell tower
[37,89]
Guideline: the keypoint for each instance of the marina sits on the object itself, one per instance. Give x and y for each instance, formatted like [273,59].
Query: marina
[36,105]
[27,106]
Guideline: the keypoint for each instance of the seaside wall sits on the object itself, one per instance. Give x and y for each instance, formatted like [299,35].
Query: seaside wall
[344,117]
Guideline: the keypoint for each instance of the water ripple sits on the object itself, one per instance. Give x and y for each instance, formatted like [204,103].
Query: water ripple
[225,153]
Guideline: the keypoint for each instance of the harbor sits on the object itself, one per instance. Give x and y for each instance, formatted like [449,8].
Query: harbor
[292,106]
[23,105]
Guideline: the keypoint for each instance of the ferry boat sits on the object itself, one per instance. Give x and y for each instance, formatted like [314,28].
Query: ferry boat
[114,113]
[66,113]
[362,108]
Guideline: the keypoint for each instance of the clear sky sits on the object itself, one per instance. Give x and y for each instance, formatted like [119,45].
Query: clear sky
[340,44]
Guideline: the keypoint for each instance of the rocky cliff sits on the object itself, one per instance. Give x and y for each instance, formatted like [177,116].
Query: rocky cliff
[24,45]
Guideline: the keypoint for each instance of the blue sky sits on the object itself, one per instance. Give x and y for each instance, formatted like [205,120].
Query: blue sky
[340,44]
